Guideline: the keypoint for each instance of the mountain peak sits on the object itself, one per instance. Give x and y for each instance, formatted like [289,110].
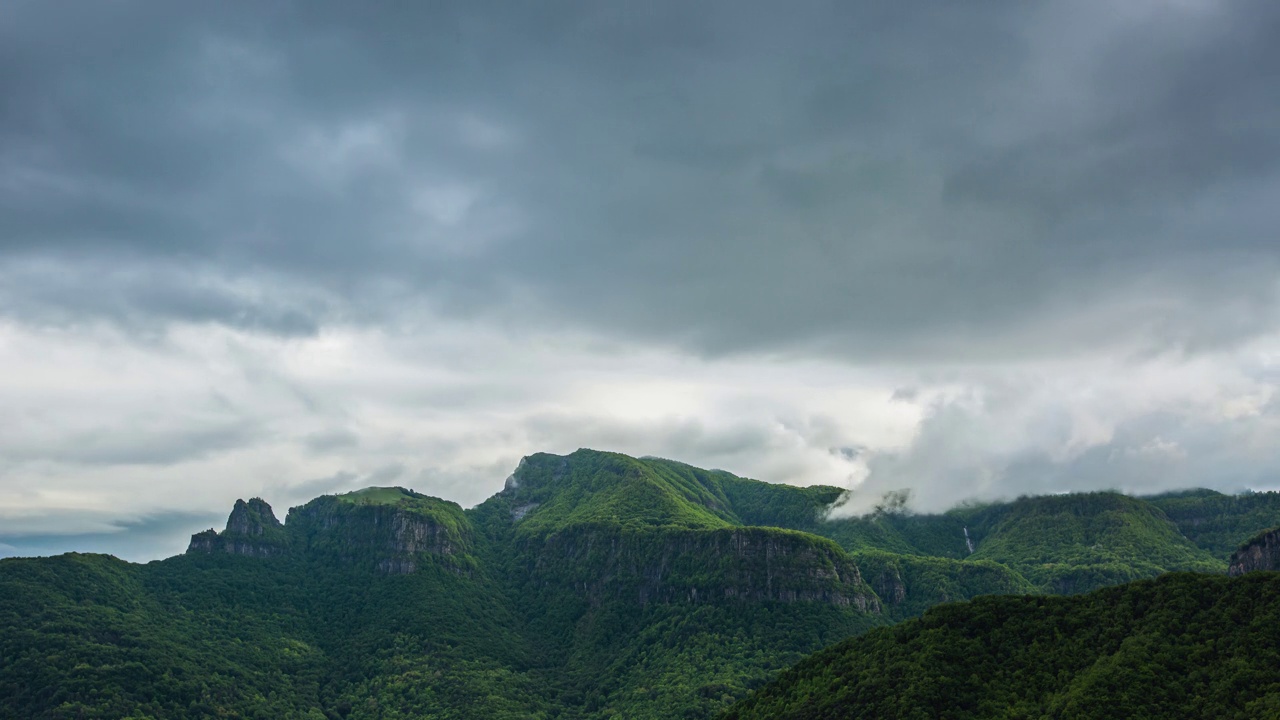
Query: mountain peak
[252,518]
[252,529]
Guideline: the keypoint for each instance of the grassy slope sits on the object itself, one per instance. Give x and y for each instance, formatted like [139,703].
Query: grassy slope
[1185,646]
[595,488]
[590,487]
[379,496]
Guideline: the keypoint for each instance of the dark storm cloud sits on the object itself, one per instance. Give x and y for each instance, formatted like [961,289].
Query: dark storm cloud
[872,180]
[1178,106]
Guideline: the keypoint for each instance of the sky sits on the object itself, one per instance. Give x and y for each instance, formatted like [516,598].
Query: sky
[283,248]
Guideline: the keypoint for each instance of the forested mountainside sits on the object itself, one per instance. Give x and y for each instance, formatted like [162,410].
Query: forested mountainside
[1181,646]
[593,585]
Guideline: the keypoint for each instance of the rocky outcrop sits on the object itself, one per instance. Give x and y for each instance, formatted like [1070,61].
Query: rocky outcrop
[669,566]
[395,539]
[390,529]
[252,519]
[1260,553]
[252,530]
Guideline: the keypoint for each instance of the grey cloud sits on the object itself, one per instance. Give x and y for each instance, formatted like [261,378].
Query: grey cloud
[143,298]
[125,444]
[680,438]
[385,474]
[848,178]
[1179,105]
[905,394]
[137,539]
[301,492]
[337,439]
[341,481]
[849,453]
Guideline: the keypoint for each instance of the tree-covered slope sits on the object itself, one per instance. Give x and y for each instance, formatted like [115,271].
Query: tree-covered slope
[593,585]
[1182,646]
[1061,543]
[1079,542]
[907,585]
[1216,522]
[647,567]
[92,636]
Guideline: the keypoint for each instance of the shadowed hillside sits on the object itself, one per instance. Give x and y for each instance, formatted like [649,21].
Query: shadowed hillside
[1182,646]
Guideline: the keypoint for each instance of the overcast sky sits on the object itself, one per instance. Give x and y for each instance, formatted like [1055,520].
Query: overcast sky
[973,249]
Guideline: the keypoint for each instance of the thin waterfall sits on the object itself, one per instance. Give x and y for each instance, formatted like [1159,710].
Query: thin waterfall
[967,541]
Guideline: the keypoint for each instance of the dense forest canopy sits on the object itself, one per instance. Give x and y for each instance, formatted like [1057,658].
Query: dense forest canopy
[1181,646]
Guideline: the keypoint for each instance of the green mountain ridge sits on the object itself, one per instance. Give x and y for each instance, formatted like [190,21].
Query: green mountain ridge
[593,585]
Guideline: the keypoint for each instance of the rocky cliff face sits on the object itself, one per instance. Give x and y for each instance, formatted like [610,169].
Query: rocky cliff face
[390,529]
[396,539]
[252,530]
[669,566]
[1260,553]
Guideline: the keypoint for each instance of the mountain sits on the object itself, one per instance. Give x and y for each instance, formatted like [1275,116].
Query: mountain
[593,585]
[1181,646]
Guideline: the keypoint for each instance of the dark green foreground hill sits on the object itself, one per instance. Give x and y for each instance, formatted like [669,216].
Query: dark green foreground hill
[593,585]
[1181,646]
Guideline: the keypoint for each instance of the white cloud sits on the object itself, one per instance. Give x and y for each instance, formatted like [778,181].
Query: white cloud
[1140,425]
[98,423]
